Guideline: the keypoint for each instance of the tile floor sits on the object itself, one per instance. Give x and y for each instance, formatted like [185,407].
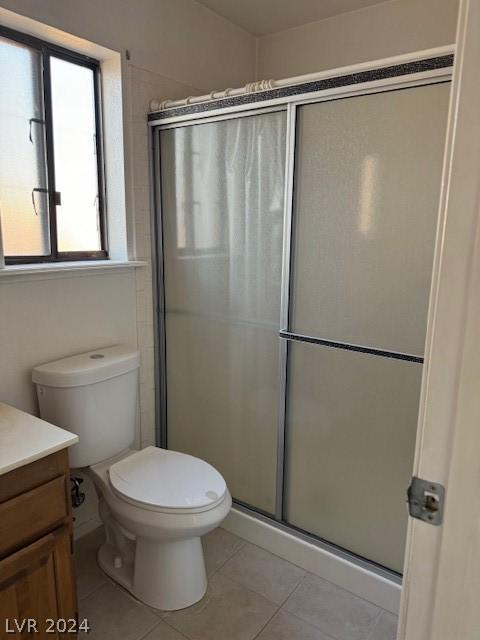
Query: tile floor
[251,594]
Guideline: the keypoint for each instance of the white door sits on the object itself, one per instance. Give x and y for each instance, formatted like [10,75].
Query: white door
[442,564]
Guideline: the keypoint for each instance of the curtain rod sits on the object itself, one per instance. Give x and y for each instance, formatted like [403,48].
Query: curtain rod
[267,85]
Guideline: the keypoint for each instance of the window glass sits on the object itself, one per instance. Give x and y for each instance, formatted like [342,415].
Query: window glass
[23,179]
[75,151]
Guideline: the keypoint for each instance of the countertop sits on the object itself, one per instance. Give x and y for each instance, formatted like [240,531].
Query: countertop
[25,438]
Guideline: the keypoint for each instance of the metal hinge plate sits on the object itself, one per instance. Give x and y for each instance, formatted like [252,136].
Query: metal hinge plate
[426,500]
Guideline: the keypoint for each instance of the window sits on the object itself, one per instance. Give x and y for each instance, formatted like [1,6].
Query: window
[51,167]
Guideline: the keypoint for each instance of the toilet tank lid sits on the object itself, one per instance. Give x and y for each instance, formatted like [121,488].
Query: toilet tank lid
[87,368]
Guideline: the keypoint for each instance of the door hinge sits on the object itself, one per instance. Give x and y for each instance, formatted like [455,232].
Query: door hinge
[426,500]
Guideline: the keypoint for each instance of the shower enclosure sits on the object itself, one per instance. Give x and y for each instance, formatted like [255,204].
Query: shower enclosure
[295,247]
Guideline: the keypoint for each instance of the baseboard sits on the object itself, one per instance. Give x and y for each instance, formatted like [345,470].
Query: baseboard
[367,584]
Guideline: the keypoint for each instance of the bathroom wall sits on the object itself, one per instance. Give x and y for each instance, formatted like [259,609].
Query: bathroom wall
[179,39]
[177,48]
[145,86]
[382,30]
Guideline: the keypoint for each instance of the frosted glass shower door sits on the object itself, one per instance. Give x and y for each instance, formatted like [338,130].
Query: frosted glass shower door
[367,184]
[222,212]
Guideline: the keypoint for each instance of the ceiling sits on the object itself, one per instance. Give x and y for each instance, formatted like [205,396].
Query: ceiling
[260,17]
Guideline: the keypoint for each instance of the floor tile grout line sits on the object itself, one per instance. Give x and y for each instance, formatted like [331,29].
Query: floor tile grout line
[179,632]
[124,592]
[251,590]
[91,593]
[228,559]
[275,555]
[328,636]
[241,584]
[267,623]
[294,588]
[311,624]
[374,624]
[275,604]
[158,613]
[336,586]
[297,586]
[159,622]
[152,628]
[245,542]
[257,592]
[277,607]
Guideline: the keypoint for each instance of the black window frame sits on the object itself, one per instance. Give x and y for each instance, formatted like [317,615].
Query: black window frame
[48,50]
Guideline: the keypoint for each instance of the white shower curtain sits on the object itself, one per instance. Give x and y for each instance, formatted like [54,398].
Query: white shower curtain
[222,202]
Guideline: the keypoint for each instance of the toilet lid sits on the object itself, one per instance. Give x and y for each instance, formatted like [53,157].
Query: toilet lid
[169,479]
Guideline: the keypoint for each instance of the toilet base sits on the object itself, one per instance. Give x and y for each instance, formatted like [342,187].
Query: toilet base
[166,575]
[106,556]
[169,575]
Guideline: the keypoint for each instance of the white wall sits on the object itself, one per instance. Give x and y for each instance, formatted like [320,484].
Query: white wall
[179,39]
[145,86]
[382,30]
[51,317]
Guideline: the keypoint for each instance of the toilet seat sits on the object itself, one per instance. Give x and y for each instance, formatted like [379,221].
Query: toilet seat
[167,481]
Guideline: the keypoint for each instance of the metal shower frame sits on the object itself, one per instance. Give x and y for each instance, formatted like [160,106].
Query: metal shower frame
[366,79]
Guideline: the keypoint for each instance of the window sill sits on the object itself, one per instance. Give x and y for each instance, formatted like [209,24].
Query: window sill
[46,271]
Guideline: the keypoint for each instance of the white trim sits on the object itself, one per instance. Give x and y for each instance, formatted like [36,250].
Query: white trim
[442,577]
[374,86]
[360,581]
[51,270]
[265,85]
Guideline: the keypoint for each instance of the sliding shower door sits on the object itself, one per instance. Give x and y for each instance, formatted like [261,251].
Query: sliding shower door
[222,190]
[292,353]
[367,181]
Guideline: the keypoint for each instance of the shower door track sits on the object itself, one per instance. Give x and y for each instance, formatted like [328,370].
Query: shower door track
[317,541]
[374,80]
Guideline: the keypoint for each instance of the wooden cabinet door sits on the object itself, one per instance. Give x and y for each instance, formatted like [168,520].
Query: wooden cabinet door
[37,584]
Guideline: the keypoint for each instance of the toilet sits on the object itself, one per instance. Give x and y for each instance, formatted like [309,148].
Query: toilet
[155,504]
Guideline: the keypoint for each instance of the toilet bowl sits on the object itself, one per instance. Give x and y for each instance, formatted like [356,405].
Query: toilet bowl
[155,504]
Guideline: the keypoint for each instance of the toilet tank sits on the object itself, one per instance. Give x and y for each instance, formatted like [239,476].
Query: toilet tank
[94,395]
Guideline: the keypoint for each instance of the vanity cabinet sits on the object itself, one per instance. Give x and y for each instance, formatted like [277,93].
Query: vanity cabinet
[37,580]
